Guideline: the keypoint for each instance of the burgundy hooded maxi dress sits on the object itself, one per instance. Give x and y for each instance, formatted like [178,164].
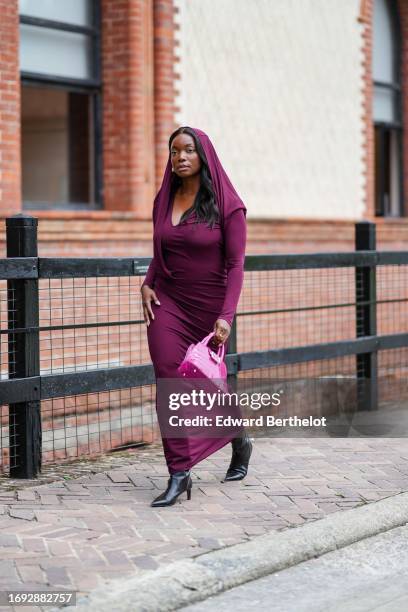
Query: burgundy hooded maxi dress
[197,274]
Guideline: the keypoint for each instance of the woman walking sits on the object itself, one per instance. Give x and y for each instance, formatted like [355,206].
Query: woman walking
[193,284]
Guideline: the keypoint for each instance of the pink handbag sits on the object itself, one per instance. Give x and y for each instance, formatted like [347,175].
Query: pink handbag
[202,362]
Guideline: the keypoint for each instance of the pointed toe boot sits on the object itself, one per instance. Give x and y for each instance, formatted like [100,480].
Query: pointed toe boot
[177,484]
[241,453]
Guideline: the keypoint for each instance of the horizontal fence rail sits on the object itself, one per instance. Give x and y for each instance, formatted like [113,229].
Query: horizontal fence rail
[74,336]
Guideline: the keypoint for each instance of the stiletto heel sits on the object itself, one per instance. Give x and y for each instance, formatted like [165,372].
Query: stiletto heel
[177,484]
[242,450]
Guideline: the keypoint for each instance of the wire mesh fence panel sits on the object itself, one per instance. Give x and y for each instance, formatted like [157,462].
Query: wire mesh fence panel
[393,377]
[287,308]
[313,389]
[8,309]
[94,423]
[91,323]
[392,299]
[392,318]
[341,366]
[7,452]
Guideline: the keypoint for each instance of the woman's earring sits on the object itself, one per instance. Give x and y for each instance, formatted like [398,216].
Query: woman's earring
[172,169]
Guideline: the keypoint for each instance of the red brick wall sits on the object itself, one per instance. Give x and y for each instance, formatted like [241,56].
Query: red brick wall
[366,19]
[10,189]
[403,14]
[121,234]
[128,120]
[165,80]
[139,93]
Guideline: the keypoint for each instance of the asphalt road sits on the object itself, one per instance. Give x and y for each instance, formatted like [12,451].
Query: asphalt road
[371,575]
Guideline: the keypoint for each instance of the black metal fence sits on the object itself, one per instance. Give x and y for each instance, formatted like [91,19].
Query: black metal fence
[76,377]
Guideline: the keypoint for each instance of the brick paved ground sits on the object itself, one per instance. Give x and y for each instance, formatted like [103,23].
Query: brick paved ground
[78,532]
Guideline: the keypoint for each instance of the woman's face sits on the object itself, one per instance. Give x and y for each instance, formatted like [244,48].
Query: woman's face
[185,160]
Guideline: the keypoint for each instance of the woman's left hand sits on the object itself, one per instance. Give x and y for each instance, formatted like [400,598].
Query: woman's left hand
[222,330]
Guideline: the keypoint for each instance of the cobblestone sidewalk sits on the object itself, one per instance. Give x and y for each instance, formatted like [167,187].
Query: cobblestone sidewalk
[75,533]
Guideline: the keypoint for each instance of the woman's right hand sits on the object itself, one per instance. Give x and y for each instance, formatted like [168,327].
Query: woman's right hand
[148,296]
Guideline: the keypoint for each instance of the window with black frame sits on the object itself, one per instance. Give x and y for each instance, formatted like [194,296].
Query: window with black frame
[387,111]
[60,104]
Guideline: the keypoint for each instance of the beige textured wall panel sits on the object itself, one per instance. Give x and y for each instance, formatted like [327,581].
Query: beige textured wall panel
[277,84]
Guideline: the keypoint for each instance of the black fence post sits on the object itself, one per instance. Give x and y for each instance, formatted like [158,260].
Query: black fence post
[232,348]
[24,350]
[366,319]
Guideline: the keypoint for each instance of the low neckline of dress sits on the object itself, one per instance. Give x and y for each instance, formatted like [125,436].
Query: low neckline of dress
[171,215]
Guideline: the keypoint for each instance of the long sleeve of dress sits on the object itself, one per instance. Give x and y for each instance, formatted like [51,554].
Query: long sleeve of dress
[150,274]
[235,243]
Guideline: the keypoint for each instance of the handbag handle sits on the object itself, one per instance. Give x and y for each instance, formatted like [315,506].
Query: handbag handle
[221,349]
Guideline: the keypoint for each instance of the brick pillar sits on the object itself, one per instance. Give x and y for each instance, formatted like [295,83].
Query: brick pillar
[366,19]
[164,81]
[128,114]
[10,160]
[403,15]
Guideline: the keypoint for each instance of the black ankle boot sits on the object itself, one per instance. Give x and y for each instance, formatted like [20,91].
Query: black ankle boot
[241,452]
[177,484]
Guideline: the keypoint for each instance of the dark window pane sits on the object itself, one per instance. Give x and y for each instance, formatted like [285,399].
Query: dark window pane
[384,48]
[387,171]
[77,12]
[57,146]
[54,52]
[387,95]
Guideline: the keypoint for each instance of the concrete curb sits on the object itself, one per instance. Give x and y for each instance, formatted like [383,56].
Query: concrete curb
[186,582]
